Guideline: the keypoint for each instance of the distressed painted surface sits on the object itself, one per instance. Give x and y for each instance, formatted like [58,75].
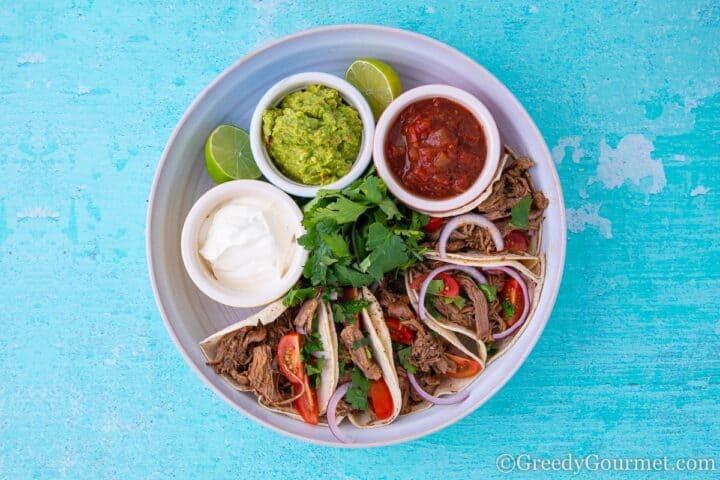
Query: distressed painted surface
[628,98]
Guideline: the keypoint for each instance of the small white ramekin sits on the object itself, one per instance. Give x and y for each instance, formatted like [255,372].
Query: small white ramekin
[474,106]
[199,270]
[298,82]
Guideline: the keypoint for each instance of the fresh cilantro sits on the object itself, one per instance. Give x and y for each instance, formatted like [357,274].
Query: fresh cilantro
[298,295]
[490,291]
[435,287]
[313,343]
[360,342]
[508,309]
[340,210]
[458,301]
[357,235]
[314,372]
[342,369]
[521,213]
[404,357]
[346,311]
[357,395]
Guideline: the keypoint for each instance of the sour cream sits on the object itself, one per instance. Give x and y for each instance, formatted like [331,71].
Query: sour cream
[243,246]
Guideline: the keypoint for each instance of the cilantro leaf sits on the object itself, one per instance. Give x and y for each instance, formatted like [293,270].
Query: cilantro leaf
[508,309]
[404,357]
[435,287]
[341,210]
[298,295]
[360,342]
[490,291]
[357,395]
[521,213]
[337,245]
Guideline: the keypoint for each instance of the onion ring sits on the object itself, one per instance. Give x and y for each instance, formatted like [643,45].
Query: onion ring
[472,219]
[332,406]
[448,400]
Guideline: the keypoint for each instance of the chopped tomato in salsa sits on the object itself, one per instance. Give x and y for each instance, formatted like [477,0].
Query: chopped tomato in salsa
[436,148]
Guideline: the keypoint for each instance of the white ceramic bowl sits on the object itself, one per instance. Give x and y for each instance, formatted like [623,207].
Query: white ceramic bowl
[474,106]
[180,180]
[280,211]
[275,95]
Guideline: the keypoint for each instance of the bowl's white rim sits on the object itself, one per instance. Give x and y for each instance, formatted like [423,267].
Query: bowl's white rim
[283,88]
[523,354]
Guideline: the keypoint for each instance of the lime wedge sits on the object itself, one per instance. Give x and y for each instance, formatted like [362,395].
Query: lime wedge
[228,156]
[377,81]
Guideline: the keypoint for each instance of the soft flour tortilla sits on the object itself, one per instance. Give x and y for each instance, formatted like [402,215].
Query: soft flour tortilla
[381,347]
[326,330]
[448,385]
[533,276]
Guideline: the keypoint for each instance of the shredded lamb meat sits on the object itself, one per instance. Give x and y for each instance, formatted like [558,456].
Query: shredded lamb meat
[246,355]
[305,316]
[480,306]
[350,334]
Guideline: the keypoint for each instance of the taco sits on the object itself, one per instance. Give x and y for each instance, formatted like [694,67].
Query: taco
[431,362]
[285,356]
[486,303]
[368,390]
[505,225]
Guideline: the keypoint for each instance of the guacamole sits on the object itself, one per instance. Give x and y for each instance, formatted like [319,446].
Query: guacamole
[312,135]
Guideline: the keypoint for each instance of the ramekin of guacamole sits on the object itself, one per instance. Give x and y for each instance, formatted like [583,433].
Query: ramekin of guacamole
[313,136]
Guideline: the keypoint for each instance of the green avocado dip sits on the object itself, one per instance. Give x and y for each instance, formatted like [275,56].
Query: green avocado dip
[312,136]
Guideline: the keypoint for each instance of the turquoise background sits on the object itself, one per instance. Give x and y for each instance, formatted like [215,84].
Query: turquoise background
[627,97]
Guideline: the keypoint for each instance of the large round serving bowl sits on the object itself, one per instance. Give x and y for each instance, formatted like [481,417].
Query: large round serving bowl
[180,180]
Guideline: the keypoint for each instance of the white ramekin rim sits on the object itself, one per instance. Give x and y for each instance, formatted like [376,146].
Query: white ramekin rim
[297,82]
[198,269]
[467,100]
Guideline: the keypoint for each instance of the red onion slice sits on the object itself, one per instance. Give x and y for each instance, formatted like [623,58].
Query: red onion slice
[332,406]
[472,219]
[473,272]
[526,297]
[447,400]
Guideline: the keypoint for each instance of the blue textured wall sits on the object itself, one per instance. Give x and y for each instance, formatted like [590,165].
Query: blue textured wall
[628,98]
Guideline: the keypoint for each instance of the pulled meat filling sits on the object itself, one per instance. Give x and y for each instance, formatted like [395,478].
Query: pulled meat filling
[246,355]
[351,336]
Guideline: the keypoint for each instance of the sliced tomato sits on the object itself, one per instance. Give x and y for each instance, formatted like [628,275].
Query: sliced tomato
[450,289]
[289,359]
[466,367]
[512,292]
[434,224]
[516,241]
[307,404]
[399,332]
[380,399]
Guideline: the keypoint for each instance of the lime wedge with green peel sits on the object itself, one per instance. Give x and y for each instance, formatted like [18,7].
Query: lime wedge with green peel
[228,156]
[377,81]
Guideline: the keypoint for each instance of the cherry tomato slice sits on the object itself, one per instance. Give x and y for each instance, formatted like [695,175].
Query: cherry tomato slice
[516,241]
[288,357]
[307,404]
[399,332]
[380,399]
[292,367]
[450,289]
[512,292]
[466,367]
[434,224]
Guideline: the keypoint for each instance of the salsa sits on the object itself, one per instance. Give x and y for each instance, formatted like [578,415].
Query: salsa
[436,148]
